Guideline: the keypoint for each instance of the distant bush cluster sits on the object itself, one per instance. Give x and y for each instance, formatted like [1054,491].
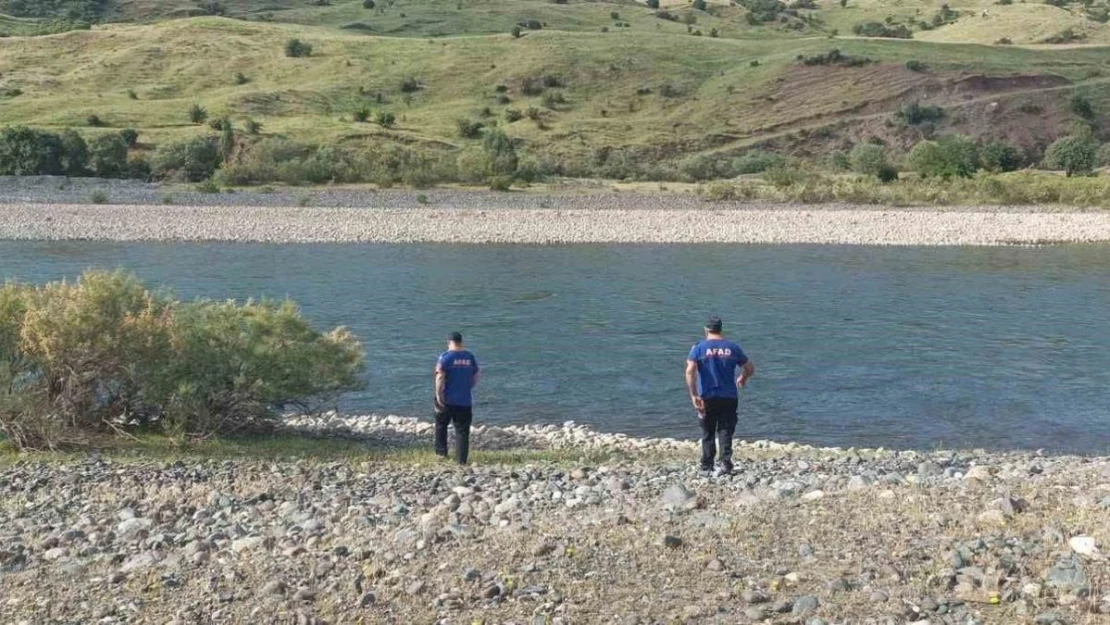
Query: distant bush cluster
[104,355]
[31,152]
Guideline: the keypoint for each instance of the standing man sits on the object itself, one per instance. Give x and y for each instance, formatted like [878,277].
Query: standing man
[456,374]
[709,378]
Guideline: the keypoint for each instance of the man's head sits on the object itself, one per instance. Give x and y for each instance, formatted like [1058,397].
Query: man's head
[713,325]
[454,340]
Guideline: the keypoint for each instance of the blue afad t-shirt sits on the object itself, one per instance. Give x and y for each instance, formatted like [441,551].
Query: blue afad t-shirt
[717,360]
[460,367]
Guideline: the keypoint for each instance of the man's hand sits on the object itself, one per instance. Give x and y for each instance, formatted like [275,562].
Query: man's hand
[741,381]
[440,404]
[699,404]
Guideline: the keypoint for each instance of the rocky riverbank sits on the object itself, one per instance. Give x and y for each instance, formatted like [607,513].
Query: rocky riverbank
[798,535]
[35,210]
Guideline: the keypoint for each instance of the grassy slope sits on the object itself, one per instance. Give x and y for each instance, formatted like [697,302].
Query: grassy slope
[722,99]
[719,101]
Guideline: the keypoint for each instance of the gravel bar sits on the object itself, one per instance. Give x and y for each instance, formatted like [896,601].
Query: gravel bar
[709,224]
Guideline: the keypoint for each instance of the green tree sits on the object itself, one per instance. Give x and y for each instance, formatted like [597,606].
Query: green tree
[1074,155]
[188,161]
[108,156]
[28,152]
[1000,157]
[75,153]
[501,152]
[868,159]
[227,140]
[130,136]
[948,157]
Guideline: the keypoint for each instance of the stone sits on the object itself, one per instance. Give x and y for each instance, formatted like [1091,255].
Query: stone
[858,482]
[416,587]
[878,596]
[367,600]
[1032,590]
[304,594]
[813,495]
[782,606]
[754,597]
[247,544]
[491,591]
[139,562]
[57,553]
[129,528]
[671,541]
[715,565]
[991,518]
[978,474]
[754,613]
[1085,546]
[1050,618]
[929,469]
[677,498]
[804,605]
[274,587]
[1067,576]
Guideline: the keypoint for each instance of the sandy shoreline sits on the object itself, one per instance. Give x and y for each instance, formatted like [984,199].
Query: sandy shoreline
[708,223]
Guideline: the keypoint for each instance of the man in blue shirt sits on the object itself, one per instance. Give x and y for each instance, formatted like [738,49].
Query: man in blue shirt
[709,378]
[455,375]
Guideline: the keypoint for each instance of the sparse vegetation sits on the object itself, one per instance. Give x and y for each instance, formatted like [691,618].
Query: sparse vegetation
[385,119]
[880,29]
[295,48]
[915,113]
[198,114]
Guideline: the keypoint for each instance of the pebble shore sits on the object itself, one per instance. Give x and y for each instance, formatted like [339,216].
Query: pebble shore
[35,210]
[798,535]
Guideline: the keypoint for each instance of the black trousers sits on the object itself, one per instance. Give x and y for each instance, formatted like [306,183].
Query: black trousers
[720,422]
[460,416]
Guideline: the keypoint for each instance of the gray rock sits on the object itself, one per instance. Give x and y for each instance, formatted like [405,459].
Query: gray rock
[878,596]
[1050,618]
[139,562]
[247,544]
[57,553]
[416,587]
[274,587]
[677,498]
[782,606]
[754,597]
[1067,576]
[755,613]
[929,469]
[804,605]
[129,528]
[492,591]
[304,594]
[367,600]
[671,541]
[858,482]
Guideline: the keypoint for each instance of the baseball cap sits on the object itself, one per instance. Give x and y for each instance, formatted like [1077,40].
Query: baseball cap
[455,337]
[713,324]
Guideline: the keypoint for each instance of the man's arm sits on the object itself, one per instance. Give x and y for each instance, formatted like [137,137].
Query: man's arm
[440,383]
[747,370]
[474,380]
[692,385]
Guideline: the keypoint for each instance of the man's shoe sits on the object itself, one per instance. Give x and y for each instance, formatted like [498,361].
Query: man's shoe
[725,469]
[705,472]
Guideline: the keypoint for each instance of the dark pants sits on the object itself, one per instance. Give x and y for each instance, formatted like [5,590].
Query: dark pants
[461,417]
[719,421]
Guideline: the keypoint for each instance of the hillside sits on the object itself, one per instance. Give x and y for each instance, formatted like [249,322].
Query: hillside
[601,83]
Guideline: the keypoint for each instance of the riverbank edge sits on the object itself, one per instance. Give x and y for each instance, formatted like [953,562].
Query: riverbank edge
[723,224]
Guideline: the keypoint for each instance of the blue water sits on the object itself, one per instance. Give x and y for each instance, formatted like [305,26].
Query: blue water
[865,346]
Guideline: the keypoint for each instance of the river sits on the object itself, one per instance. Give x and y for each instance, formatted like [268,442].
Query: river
[908,347]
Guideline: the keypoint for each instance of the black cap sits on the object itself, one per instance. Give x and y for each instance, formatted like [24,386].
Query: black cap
[713,324]
[454,337]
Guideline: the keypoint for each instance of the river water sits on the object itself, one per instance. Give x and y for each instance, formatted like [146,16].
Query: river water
[864,346]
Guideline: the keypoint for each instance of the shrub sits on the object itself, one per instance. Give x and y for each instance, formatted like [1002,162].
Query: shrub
[108,156]
[868,159]
[28,152]
[368,4]
[409,84]
[915,66]
[468,129]
[699,5]
[197,114]
[98,197]
[386,119]
[241,79]
[1104,155]
[613,15]
[553,100]
[252,127]
[653,4]
[131,95]
[94,121]
[1074,155]
[879,29]
[500,183]
[834,57]
[361,114]
[295,48]
[1081,106]
[501,152]
[952,156]
[755,162]
[227,140]
[914,113]
[75,153]
[188,161]
[887,173]
[999,157]
[104,354]
[516,32]
[130,136]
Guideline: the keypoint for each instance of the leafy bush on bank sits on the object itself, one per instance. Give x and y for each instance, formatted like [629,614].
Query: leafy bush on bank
[105,354]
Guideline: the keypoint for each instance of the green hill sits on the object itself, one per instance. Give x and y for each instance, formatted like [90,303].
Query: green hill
[591,83]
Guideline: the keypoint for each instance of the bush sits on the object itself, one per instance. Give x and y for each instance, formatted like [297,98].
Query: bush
[368,4]
[755,162]
[108,156]
[1104,155]
[295,48]
[386,119]
[98,197]
[1081,106]
[501,152]
[832,57]
[914,113]
[362,114]
[130,136]
[468,129]
[197,114]
[553,100]
[28,152]
[409,84]
[104,354]
[252,127]
[698,5]
[952,156]
[187,161]
[868,159]
[516,32]
[653,4]
[1074,155]
[94,121]
[887,173]
[241,79]
[513,115]
[75,153]
[916,66]
[999,157]
[879,29]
